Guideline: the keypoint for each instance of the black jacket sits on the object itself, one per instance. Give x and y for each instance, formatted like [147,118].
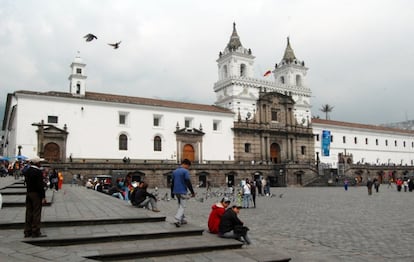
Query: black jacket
[141,195]
[228,221]
[34,181]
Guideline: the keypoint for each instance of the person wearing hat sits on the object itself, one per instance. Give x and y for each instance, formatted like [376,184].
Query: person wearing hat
[35,197]
[217,211]
[232,227]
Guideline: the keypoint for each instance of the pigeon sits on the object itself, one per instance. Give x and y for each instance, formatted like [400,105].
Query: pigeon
[281,195]
[116,45]
[90,37]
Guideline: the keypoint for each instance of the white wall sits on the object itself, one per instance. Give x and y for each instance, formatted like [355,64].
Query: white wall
[95,129]
[366,153]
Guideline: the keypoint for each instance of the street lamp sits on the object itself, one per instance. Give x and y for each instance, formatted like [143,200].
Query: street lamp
[20,150]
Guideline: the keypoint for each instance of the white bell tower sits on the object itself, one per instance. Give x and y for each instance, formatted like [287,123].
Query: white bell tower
[235,70]
[290,75]
[77,77]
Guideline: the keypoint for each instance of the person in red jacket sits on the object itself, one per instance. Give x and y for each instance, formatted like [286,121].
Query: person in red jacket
[217,211]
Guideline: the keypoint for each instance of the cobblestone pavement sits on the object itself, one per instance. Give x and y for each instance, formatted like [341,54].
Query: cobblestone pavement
[324,223]
[306,224]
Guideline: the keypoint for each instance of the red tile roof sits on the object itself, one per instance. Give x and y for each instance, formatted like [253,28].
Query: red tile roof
[133,100]
[362,126]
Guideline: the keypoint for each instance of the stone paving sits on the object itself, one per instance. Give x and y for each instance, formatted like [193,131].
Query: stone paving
[306,224]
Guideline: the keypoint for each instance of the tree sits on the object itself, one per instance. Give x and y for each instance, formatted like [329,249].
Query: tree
[326,109]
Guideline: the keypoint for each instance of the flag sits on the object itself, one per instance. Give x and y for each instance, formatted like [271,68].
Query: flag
[267,73]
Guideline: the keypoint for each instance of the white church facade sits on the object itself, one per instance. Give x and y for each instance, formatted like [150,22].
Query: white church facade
[80,124]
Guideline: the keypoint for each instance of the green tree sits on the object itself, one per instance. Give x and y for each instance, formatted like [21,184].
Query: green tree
[326,109]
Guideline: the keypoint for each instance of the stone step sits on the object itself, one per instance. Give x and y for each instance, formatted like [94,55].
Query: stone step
[87,222]
[102,233]
[137,249]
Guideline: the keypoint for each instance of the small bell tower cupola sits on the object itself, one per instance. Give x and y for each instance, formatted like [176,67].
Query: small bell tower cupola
[77,77]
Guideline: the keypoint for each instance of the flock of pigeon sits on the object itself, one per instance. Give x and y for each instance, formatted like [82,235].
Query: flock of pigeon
[91,37]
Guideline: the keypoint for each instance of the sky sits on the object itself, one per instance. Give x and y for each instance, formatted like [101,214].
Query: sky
[359,53]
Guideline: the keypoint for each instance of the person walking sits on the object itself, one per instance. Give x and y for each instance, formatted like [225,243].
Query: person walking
[35,197]
[369,186]
[180,183]
[376,185]
[253,192]
[247,193]
[346,183]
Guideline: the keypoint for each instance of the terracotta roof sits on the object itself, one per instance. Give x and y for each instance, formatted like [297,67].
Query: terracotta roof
[133,100]
[362,126]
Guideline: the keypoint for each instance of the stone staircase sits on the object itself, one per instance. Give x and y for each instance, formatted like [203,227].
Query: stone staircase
[116,238]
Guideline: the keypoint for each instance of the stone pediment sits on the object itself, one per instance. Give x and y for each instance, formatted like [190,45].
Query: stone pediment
[189,131]
[54,130]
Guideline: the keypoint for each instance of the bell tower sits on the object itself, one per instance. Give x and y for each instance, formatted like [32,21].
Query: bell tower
[235,69]
[77,77]
[290,75]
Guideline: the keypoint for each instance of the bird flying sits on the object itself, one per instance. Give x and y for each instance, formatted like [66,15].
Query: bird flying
[116,45]
[90,37]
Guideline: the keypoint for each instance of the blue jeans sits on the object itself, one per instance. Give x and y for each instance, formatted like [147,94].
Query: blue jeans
[182,200]
[233,235]
[246,200]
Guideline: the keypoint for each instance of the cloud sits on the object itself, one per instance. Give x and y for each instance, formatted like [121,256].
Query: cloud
[359,60]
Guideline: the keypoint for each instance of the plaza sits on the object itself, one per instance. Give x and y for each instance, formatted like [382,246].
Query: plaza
[304,224]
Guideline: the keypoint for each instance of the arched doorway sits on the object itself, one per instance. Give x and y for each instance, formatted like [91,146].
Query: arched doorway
[275,153]
[52,152]
[188,152]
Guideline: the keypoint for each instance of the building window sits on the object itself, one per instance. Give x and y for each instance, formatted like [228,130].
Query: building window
[317,137]
[282,79]
[123,142]
[274,115]
[404,144]
[344,139]
[225,71]
[247,147]
[78,88]
[376,141]
[242,70]
[157,143]
[188,122]
[216,125]
[157,121]
[298,80]
[52,119]
[386,142]
[79,71]
[412,144]
[355,140]
[366,141]
[303,150]
[395,142]
[331,138]
[122,119]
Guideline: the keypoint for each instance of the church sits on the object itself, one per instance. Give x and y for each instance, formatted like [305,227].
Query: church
[253,120]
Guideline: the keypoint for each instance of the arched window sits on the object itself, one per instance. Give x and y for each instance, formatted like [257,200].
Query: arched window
[282,79]
[78,87]
[157,143]
[298,80]
[123,142]
[242,70]
[225,71]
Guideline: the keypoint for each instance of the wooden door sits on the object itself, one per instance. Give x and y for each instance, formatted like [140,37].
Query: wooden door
[188,152]
[52,152]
